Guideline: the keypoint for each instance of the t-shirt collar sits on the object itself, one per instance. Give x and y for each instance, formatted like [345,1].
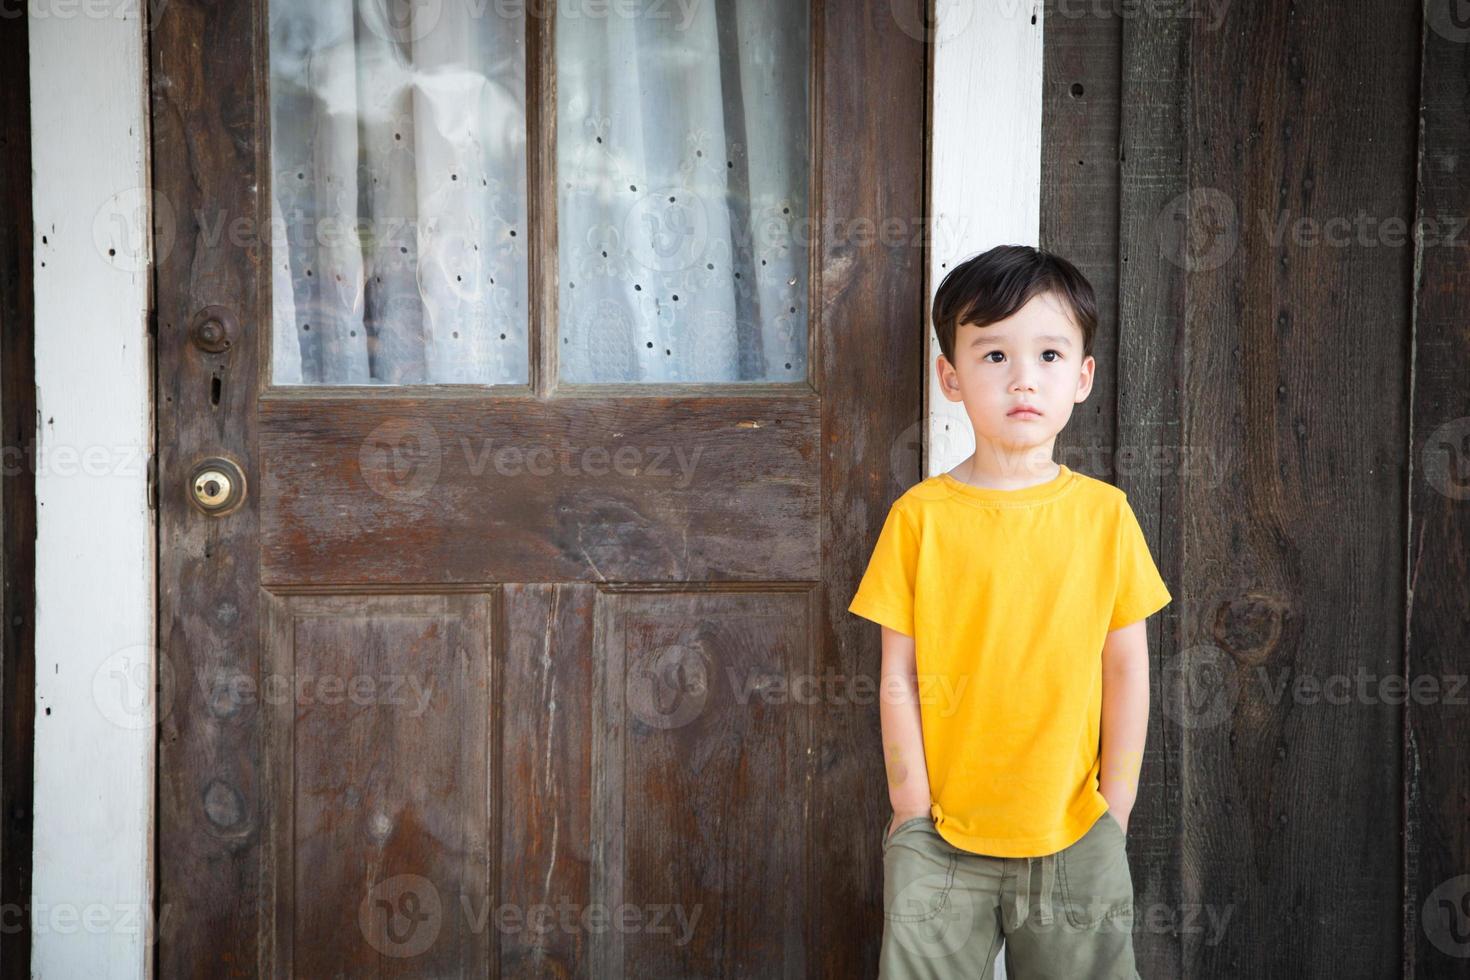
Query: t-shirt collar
[1023,495]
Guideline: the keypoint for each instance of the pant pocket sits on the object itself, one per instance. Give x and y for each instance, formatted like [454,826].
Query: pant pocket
[918,874]
[1095,883]
[901,828]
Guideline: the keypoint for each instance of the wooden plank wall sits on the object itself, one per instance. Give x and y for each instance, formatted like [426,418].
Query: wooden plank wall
[1436,888]
[1283,390]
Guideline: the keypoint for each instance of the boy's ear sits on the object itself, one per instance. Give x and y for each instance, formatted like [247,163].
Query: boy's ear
[1084,386]
[949,380]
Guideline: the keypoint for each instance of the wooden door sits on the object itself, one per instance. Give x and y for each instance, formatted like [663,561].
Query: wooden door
[429,709]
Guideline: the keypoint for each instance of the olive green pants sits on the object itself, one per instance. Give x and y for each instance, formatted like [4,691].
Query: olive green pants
[1066,915]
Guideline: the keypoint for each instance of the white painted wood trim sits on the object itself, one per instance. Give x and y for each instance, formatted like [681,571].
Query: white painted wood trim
[985,165]
[95,630]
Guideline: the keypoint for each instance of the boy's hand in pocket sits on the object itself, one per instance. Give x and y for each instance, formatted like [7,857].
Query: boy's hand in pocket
[900,818]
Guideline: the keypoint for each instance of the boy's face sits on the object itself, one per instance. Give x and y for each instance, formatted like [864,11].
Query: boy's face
[1031,358]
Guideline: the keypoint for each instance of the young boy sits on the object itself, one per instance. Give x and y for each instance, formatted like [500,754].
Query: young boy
[1012,592]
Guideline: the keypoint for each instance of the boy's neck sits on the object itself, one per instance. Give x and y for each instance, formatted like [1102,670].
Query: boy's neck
[999,468]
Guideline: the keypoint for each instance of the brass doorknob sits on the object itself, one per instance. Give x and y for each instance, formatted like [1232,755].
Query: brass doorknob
[216,485]
[211,488]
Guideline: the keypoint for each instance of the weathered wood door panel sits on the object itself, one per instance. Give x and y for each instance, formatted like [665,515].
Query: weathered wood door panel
[400,798]
[433,710]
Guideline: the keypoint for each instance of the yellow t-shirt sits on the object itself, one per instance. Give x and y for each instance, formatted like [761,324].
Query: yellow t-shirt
[1009,596]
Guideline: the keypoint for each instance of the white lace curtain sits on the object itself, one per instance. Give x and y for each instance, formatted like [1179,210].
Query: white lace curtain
[399,191]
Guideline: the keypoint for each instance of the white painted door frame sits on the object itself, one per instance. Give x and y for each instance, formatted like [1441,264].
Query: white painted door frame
[92,885]
[984,166]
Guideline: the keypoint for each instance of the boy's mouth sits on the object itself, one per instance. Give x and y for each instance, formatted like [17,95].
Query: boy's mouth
[1024,412]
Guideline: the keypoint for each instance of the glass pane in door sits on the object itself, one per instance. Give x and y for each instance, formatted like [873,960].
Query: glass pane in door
[682,170]
[398,199]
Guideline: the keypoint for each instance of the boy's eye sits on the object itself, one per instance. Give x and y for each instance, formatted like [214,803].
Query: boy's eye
[1047,355]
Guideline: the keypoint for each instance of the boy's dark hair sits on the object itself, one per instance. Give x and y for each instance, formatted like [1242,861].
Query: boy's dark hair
[992,285]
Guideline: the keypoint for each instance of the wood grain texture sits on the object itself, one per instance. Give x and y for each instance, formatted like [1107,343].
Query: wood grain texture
[1152,155]
[380,715]
[647,489]
[700,756]
[546,844]
[1269,366]
[740,517]
[1437,724]
[543,267]
[208,121]
[1295,373]
[1113,156]
[1081,110]
[871,367]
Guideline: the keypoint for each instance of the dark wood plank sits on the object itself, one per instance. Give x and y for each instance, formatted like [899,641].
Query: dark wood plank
[1079,206]
[546,844]
[1437,780]
[543,268]
[18,500]
[869,317]
[208,117]
[1113,157]
[1296,372]
[699,780]
[648,489]
[380,714]
[1154,93]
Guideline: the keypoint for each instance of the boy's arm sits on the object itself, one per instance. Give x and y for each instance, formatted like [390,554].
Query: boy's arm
[903,739]
[1124,716]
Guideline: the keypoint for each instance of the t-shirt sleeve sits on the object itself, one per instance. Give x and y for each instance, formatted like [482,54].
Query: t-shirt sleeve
[1141,590]
[886,593]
